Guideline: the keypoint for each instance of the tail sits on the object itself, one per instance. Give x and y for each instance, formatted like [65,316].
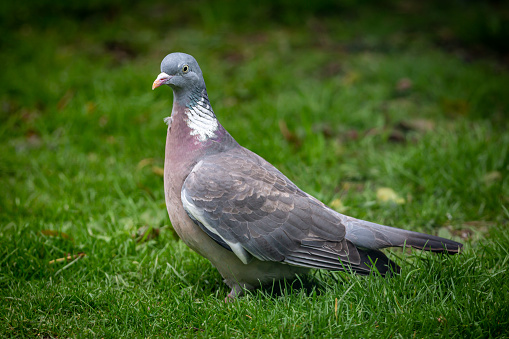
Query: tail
[368,235]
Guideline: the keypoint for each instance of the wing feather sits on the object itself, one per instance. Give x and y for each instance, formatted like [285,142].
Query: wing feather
[245,203]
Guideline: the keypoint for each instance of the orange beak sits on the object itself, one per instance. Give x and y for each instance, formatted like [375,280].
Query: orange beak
[162,78]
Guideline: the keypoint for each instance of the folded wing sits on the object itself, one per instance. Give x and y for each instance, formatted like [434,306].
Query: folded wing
[252,209]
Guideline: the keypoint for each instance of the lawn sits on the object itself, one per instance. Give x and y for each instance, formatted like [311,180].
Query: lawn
[380,111]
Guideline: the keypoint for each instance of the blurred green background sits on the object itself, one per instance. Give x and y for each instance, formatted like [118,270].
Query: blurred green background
[304,84]
[391,111]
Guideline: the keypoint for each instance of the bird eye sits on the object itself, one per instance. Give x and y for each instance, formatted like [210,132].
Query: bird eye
[185,69]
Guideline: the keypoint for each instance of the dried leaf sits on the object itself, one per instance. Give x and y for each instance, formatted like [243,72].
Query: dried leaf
[349,185]
[337,205]
[158,170]
[336,308]
[288,135]
[68,258]
[386,194]
[144,162]
[491,177]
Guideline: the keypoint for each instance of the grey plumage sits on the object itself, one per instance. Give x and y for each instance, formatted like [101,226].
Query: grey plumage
[240,212]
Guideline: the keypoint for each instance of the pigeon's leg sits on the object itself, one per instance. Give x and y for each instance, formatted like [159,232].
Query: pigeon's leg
[237,291]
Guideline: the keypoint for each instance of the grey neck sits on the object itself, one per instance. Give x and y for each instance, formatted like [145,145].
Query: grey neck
[189,95]
[198,113]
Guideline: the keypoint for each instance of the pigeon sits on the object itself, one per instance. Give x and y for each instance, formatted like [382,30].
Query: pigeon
[253,223]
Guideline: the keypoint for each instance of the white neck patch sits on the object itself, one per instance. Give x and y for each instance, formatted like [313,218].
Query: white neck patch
[201,120]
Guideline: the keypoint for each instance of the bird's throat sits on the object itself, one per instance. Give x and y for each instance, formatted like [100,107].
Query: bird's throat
[193,121]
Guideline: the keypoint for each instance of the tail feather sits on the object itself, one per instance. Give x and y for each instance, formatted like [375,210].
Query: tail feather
[372,236]
[431,243]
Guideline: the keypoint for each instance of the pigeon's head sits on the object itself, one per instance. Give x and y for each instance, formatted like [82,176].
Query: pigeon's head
[180,71]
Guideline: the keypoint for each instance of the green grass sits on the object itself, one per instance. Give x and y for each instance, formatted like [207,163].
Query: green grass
[313,91]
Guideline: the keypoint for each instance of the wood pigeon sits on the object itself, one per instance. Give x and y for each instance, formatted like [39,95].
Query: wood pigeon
[245,216]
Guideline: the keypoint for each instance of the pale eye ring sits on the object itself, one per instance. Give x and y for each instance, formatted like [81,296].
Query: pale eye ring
[185,69]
